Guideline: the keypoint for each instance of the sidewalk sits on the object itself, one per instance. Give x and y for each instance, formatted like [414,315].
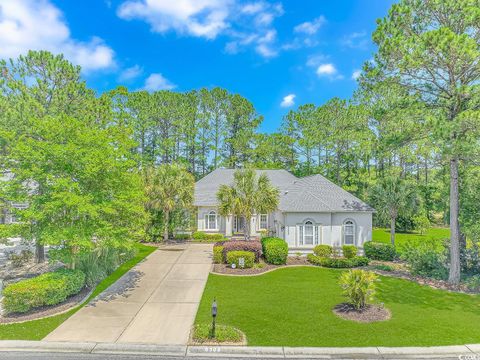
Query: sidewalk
[467,352]
[155,302]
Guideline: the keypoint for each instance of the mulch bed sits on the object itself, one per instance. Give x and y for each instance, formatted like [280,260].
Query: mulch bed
[291,261]
[46,311]
[371,313]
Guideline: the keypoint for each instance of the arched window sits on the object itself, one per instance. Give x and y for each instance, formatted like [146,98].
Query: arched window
[211,221]
[349,232]
[308,233]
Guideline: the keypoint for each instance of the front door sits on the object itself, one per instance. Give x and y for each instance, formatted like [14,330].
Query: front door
[239,224]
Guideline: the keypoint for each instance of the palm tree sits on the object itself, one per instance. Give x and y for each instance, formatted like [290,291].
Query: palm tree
[393,196]
[168,187]
[247,195]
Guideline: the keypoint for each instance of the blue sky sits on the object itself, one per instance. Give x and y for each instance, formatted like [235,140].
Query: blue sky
[278,54]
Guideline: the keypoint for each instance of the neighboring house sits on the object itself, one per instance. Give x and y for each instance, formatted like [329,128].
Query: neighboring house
[312,210]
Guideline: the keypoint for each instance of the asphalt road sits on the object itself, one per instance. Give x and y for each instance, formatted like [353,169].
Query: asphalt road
[75,356]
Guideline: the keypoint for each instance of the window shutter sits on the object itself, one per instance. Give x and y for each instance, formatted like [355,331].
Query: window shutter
[317,234]
[300,228]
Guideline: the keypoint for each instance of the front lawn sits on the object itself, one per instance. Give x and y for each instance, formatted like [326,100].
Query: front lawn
[293,307]
[401,238]
[38,329]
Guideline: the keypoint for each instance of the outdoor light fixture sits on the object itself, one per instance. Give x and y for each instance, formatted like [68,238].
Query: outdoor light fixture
[214,315]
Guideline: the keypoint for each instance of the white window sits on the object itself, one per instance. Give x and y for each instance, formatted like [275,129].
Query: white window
[263,221]
[308,234]
[211,221]
[349,232]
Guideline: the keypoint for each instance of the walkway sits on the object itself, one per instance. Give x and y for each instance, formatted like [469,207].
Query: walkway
[154,303]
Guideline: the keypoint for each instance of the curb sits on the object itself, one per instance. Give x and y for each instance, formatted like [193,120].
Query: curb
[469,351]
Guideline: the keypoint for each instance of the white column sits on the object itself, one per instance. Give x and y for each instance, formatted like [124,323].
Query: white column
[228,225]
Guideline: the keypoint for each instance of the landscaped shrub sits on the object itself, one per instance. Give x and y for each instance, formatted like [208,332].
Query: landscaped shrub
[358,286]
[47,289]
[379,251]
[349,251]
[264,240]
[218,254]
[223,333]
[203,236]
[275,251]
[339,263]
[473,283]
[383,267]
[323,251]
[426,259]
[234,256]
[182,236]
[243,245]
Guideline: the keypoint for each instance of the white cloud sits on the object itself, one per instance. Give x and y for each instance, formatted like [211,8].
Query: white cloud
[288,100]
[356,40]
[328,70]
[157,81]
[310,27]
[201,18]
[39,25]
[244,25]
[356,74]
[130,73]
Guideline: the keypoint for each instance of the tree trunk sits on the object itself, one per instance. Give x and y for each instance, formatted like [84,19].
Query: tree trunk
[454,276]
[392,230]
[246,227]
[165,230]
[39,252]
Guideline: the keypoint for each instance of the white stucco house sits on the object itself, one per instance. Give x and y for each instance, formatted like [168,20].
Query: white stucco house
[312,210]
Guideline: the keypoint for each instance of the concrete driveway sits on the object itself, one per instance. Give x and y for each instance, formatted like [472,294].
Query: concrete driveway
[155,302]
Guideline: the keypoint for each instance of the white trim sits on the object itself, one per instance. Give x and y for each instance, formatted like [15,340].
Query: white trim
[349,223]
[316,235]
[208,219]
[260,227]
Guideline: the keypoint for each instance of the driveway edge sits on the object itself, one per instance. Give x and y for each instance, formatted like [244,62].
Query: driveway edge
[436,352]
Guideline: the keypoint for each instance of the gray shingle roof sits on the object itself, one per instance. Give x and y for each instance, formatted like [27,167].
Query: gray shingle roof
[310,194]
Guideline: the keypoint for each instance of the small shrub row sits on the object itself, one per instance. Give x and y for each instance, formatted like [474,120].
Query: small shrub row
[327,251]
[379,251]
[47,289]
[275,250]
[182,236]
[323,251]
[242,245]
[218,254]
[339,263]
[203,236]
[234,256]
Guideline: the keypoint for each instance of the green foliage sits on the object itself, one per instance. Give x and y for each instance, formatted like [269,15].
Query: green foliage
[323,250]
[234,256]
[182,236]
[379,251]
[203,236]
[425,259]
[275,251]
[218,254]
[359,287]
[349,251]
[473,283]
[383,267]
[421,223]
[223,333]
[168,187]
[20,259]
[46,289]
[339,263]
[247,195]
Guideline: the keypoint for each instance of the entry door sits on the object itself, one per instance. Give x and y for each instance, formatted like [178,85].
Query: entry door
[239,224]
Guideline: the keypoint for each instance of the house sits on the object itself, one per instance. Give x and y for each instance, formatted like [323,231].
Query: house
[312,210]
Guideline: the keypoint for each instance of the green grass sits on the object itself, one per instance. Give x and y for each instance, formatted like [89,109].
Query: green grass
[401,238]
[38,329]
[293,307]
[223,333]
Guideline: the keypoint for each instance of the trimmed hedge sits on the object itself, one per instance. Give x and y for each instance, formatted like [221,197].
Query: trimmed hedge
[379,251]
[218,254]
[339,263]
[323,250]
[234,256]
[201,235]
[275,251]
[349,251]
[243,245]
[47,289]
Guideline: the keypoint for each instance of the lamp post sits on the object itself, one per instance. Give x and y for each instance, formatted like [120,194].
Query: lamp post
[214,315]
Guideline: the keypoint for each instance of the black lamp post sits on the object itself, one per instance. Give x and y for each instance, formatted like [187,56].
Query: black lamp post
[214,315]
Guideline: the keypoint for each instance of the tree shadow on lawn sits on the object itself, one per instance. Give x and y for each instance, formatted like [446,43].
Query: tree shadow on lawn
[406,292]
[121,288]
